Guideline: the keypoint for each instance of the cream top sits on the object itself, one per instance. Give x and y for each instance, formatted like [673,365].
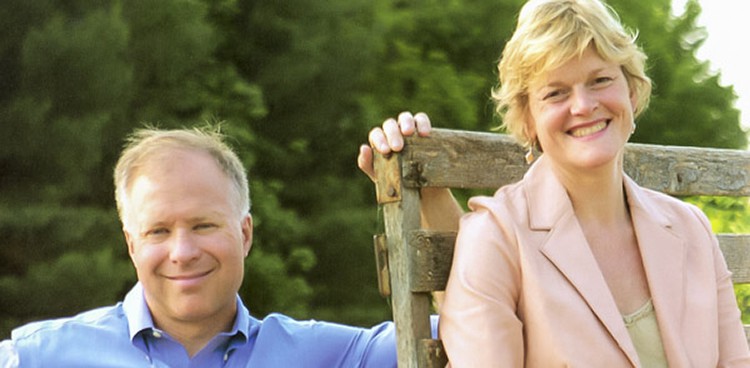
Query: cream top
[644,332]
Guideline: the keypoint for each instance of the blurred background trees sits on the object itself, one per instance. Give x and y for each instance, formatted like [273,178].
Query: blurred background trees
[298,84]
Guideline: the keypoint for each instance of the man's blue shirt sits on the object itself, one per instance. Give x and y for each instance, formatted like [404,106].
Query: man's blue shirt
[124,336]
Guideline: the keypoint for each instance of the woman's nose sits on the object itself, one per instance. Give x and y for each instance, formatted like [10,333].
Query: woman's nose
[583,101]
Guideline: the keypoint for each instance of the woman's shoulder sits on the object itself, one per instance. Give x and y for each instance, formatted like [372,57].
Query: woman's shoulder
[507,197]
[672,205]
[680,215]
[506,208]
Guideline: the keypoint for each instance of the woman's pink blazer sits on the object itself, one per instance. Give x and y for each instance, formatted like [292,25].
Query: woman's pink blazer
[526,291]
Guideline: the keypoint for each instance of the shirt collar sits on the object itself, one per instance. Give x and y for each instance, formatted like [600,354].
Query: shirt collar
[139,316]
[136,311]
[241,321]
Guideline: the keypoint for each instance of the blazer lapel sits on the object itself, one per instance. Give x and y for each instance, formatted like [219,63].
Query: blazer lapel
[566,247]
[663,254]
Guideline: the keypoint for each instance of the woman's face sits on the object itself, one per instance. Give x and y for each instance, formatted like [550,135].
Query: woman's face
[581,113]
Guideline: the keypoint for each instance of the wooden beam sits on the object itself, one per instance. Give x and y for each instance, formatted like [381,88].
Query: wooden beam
[461,159]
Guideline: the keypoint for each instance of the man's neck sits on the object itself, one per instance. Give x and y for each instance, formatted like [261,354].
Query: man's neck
[195,335]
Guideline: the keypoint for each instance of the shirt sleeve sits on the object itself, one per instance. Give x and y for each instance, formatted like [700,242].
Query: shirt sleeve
[380,346]
[284,342]
[380,350]
[8,355]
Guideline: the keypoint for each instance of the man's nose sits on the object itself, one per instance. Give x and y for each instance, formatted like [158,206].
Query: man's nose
[184,247]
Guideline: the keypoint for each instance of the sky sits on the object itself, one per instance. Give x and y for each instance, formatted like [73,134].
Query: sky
[727,47]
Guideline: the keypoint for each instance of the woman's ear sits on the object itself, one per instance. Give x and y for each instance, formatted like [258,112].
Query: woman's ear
[632,93]
[529,128]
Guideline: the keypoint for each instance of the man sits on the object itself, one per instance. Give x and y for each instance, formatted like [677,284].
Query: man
[183,199]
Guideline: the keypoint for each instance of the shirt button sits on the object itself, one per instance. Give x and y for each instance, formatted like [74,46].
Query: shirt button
[156,334]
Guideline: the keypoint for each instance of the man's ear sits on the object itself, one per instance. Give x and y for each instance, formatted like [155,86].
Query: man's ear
[131,246]
[247,233]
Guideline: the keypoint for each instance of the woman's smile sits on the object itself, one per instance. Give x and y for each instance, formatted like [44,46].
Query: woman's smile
[583,131]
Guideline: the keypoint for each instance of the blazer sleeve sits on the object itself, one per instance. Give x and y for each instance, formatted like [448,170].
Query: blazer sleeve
[733,344]
[478,321]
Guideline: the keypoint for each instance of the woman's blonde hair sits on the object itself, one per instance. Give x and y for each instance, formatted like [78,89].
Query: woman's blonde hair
[548,34]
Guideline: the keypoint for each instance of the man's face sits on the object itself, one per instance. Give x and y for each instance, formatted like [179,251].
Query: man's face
[187,239]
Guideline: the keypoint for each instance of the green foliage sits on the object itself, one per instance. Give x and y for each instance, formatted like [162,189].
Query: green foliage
[743,301]
[689,107]
[67,285]
[729,215]
[271,289]
[424,79]
[171,45]
[77,64]
[25,231]
[297,85]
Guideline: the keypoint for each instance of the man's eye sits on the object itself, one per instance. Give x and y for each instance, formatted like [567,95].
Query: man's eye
[157,231]
[204,226]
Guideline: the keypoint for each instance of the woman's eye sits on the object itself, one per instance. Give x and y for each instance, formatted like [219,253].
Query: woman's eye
[553,95]
[602,80]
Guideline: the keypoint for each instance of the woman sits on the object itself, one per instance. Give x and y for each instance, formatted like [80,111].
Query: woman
[576,265]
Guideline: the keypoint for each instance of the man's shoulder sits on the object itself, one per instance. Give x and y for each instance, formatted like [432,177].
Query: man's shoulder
[278,319]
[287,341]
[101,320]
[285,324]
[278,327]
[98,337]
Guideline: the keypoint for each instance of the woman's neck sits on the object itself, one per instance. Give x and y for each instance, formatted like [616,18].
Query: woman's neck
[597,195]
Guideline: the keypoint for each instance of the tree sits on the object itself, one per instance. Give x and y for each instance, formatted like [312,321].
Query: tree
[297,85]
[79,76]
[689,107]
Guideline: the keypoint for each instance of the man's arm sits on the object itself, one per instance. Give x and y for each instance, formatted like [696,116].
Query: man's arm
[439,209]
